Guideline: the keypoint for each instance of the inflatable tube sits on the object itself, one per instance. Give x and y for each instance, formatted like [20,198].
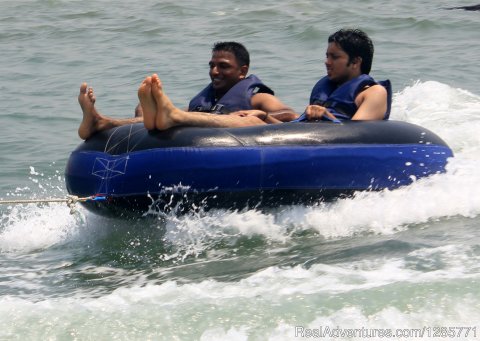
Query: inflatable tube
[263,165]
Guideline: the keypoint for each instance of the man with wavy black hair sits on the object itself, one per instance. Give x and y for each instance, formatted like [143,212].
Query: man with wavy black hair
[355,43]
[347,92]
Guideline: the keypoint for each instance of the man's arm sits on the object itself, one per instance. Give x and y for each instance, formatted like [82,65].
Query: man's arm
[371,103]
[275,108]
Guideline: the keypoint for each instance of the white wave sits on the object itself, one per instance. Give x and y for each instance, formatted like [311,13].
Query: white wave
[36,226]
[387,212]
[380,293]
[452,262]
[452,113]
[30,227]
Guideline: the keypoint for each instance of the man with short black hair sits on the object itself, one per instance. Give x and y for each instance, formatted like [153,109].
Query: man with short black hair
[232,99]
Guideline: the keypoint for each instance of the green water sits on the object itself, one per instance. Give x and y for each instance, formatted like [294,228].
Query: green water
[400,260]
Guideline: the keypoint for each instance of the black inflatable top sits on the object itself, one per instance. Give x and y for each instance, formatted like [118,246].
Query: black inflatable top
[135,137]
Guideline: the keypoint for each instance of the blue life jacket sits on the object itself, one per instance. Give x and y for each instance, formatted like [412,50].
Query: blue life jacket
[239,97]
[340,101]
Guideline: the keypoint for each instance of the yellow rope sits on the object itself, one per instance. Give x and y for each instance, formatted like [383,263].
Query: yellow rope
[31,201]
[70,200]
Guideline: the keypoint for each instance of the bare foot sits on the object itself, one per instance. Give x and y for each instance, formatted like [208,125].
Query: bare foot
[147,103]
[167,113]
[91,117]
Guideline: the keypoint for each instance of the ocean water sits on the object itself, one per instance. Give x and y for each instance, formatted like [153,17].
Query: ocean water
[404,261]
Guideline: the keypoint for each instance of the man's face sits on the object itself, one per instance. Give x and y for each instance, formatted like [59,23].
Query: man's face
[339,69]
[225,71]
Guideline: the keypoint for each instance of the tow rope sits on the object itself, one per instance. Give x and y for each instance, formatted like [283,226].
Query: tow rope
[70,200]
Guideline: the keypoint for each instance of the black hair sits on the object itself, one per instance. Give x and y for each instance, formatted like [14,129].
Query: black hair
[355,43]
[239,51]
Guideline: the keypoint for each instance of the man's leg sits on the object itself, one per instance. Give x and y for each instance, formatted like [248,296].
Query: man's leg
[147,103]
[167,115]
[93,121]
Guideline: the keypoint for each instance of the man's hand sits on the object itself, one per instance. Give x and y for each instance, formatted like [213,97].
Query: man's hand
[316,112]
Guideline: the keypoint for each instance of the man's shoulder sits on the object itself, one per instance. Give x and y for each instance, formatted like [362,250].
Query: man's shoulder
[264,101]
[262,96]
[256,85]
[373,92]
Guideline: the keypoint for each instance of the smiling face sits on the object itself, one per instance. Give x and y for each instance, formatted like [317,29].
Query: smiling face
[339,68]
[225,71]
